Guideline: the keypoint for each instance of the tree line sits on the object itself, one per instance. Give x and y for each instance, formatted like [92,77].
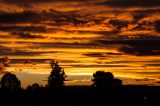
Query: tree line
[101,79]
[106,90]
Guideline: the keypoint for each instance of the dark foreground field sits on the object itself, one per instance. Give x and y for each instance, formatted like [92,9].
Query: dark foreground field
[83,96]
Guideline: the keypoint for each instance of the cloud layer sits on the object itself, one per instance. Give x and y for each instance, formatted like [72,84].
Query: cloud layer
[85,35]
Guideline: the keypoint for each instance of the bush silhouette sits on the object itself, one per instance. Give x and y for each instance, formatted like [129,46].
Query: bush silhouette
[57,76]
[103,79]
[10,82]
[34,86]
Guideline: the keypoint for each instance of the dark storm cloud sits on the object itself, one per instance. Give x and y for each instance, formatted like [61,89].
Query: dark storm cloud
[30,4]
[147,11]
[31,16]
[155,65]
[145,25]
[22,61]
[101,54]
[114,3]
[52,17]
[56,18]
[38,17]
[135,37]
[101,32]
[140,51]
[136,47]
[132,3]
[94,54]
[138,16]
[41,61]
[27,1]
[41,1]
[63,44]
[109,33]
[96,65]
[27,53]
[25,35]
[158,82]
[15,28]
[136,61]
[142,37]
[119,23]
[142,47]
[20,17]
[5,51]
[157,26]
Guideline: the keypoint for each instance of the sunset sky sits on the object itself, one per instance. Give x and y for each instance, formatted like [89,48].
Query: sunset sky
[84,36]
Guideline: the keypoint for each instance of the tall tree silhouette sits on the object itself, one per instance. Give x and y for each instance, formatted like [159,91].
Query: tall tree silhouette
[10,82]
[103,79]
[57,76]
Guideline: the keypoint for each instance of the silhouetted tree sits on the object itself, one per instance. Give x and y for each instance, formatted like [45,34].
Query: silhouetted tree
[10,82]
[103,79]
[117,82]
[57,76]
[33,86]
